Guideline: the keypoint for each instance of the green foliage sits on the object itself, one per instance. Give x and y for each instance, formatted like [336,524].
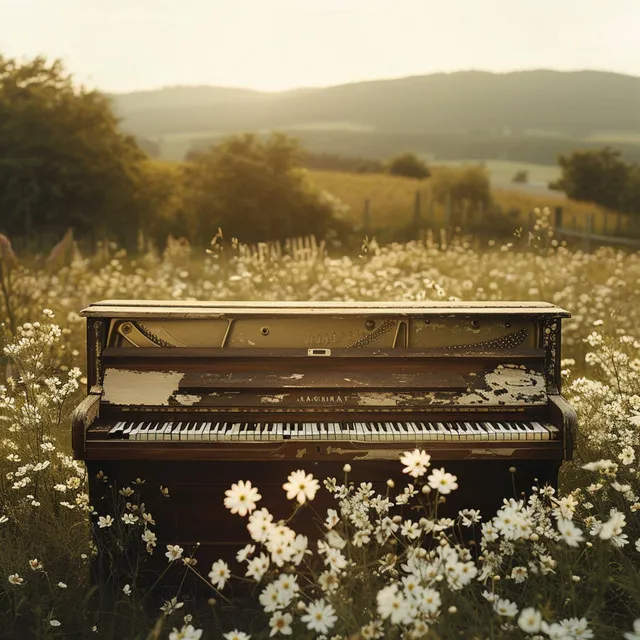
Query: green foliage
[408,165]
[255,190]
[335,162]
[601,177]
[469,183]
[520,177]
[63,162]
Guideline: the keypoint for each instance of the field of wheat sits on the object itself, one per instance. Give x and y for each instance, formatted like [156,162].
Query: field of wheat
[557,566]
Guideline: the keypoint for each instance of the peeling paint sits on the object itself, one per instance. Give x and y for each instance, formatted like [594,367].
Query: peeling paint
[125,387]
[378,399]
[276,398]
[495,453]
[188,399]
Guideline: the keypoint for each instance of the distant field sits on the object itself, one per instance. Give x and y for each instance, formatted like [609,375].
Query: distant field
[501,173]
[391,201]
[614,136]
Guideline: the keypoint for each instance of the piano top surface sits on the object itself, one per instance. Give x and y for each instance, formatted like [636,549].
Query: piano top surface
[202,309]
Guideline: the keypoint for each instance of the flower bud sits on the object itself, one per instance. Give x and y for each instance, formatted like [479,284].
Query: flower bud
[390,483]
[512,469]
[452,609]
[426,489]
[346,468]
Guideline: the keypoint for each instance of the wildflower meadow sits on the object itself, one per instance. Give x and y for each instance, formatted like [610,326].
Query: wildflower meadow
[553,564]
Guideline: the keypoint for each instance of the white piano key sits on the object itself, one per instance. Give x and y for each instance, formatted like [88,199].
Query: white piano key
[415,432]
[143,432]
[234,432]
[117,428]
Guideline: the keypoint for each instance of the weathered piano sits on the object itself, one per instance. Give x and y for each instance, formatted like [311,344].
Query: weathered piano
[197,395]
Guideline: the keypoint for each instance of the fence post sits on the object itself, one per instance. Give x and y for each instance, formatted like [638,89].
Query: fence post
[588,233]
[366,218]
[558,218]
[447,212]
[416,214]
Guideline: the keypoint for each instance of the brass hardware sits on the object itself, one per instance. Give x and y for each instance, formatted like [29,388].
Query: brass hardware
[318,352]
[370,324]
[507,325]
[475,324]
[126,328]
[264,331]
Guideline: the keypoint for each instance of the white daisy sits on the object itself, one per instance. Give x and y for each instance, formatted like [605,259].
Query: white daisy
[174,552]
[442,481]
[529,620]
[105,521]
[219,574]
[301,486]
[237,635]
[188,632]
[320,617]
[241,498]
[416,462]
[280,623]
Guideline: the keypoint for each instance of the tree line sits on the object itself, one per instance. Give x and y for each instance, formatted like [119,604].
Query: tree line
[66,164]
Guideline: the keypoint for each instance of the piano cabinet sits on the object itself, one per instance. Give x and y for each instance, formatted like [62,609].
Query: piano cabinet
[195,396]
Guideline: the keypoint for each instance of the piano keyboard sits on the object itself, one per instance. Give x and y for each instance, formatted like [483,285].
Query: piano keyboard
[367,431]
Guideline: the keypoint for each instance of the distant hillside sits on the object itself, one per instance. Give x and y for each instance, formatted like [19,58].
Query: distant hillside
[566,106]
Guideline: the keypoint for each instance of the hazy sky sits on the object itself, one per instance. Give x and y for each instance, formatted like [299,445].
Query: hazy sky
[121,45]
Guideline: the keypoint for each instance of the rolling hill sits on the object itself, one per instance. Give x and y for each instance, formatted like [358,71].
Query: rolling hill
[550,110]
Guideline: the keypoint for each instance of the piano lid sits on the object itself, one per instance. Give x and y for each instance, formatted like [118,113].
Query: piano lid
[201,309]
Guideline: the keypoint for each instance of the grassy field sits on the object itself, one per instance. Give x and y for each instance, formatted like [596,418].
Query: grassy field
[567,563]
[391,201]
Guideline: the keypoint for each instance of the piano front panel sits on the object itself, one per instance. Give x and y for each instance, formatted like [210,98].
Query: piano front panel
[323,382]
[194,512]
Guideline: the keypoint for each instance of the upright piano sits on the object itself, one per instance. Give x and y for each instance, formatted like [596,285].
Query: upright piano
[198,395]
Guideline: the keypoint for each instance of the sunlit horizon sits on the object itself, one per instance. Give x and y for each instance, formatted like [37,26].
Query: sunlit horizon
[281,45]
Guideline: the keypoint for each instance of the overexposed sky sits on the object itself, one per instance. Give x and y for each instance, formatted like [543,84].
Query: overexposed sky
[123,45]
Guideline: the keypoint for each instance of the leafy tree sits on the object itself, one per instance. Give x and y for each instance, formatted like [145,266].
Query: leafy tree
[597,176]
[408,165]
[469,183]
[520,177]
[63,162]
[255,190]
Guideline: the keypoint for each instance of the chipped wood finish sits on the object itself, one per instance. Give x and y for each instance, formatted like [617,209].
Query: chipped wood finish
[504,385]
[84,415]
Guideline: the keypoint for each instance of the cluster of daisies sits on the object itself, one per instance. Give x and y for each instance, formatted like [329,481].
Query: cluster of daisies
[373,569]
